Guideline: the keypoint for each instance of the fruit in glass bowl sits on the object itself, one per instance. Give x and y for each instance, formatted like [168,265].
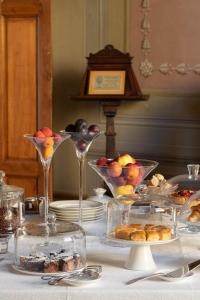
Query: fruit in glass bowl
[123,173]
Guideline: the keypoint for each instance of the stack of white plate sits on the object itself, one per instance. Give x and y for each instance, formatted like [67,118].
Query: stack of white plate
[68,210]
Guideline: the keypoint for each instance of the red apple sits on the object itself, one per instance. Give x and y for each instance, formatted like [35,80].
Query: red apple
[114,169]
[102,161]
[132,172]
[40,137]
[47,131]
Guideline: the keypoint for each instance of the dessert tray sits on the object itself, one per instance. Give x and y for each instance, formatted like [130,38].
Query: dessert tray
[68,210]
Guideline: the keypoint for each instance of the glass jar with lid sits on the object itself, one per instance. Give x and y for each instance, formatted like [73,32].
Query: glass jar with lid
[11,210]
[50,248]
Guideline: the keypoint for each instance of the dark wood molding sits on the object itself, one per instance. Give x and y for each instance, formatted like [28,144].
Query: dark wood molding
[19,8]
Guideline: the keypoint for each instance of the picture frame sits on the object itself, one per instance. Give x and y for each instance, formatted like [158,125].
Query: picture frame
[106,82]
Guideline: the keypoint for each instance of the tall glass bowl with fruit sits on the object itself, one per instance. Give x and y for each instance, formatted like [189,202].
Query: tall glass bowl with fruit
[123,175]
[82,135]
[46,142]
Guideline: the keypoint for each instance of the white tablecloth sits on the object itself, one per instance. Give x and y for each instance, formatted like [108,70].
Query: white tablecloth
[15,286]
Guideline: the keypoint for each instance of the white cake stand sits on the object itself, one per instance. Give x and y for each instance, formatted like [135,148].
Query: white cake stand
[140,256]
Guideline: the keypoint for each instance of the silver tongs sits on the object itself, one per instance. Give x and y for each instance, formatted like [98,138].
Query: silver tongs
[90,272]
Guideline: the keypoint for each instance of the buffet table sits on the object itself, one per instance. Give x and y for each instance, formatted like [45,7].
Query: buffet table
[111,285]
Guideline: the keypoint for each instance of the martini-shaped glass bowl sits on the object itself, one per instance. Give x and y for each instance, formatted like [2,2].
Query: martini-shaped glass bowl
[123,181]
[46,147]
[82,142]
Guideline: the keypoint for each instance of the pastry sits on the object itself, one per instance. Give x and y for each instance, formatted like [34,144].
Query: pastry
[165,233]
[124,233]
[136,226]
[152,235]
[149,226]
[194,216]
[139,235]
[182,196]
[32,263]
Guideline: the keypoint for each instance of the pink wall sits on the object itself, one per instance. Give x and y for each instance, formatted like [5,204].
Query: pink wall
[175,39]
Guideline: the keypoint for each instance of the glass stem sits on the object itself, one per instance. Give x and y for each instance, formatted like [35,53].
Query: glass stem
[81,170]
[46,190]
[125,214]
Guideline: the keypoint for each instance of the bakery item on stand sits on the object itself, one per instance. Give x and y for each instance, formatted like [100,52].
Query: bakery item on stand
[138,235]
[146,232]
[181,197]
[195,214]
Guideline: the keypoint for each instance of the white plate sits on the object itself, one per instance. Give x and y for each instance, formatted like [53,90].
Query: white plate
[74,204]
[111,237]
[63,213]
[22,271]
[76,219]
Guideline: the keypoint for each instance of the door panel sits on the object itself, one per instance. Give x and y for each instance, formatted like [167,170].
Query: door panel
[25,88]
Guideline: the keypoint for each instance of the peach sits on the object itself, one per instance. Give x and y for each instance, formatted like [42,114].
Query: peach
[125,159]
[124,190]
[132,170]
[114,169]
[48,142]
[40,137]
[47,152]
[47,131]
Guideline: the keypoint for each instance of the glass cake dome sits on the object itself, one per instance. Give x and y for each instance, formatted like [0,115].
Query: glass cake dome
[189,216]
[50,248]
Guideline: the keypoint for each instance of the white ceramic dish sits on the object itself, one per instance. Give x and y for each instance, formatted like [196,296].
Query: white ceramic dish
[22,271]
[74,204]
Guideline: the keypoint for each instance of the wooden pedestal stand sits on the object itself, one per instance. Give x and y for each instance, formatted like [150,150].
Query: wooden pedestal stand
[109,79]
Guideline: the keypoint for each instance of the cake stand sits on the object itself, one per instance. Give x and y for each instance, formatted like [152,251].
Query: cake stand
[140,256]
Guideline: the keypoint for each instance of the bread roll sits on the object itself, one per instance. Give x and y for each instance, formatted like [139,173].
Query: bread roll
[152,235]
[124,234]
[138,235]
[149,226]
[194,216]
[165,233]
[136,226]
[180,200]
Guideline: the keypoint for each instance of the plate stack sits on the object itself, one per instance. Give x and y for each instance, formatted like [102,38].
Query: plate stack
[68,210]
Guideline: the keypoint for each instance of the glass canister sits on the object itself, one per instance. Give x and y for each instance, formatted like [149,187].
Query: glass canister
[11,211]
[50,248]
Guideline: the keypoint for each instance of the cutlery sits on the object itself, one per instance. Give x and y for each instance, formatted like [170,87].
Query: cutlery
[90,272]
[180,273]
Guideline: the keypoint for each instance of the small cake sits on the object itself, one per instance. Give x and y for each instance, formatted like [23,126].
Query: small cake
[139,235]
[32,263]
[182,196]
[66,264]
[77,260]
[51,266]
[152,235]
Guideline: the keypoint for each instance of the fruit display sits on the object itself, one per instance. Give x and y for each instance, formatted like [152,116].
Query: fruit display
[82,133]
[123,173]
[46,141]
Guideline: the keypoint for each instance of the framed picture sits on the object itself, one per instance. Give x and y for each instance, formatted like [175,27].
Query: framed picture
[107,82]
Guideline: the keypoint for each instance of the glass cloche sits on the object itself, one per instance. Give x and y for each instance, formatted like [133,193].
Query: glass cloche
[50,248]
[188,184]
[11,211]
[189,216]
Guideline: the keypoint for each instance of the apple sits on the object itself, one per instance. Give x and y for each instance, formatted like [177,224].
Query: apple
[102,161]
[40,137]
[125,159]
[47,131]
[124,190]
[114,169]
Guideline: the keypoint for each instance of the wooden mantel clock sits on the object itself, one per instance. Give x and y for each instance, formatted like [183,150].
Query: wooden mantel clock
[109,78]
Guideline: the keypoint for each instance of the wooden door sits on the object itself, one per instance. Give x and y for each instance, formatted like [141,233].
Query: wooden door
[25,88]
